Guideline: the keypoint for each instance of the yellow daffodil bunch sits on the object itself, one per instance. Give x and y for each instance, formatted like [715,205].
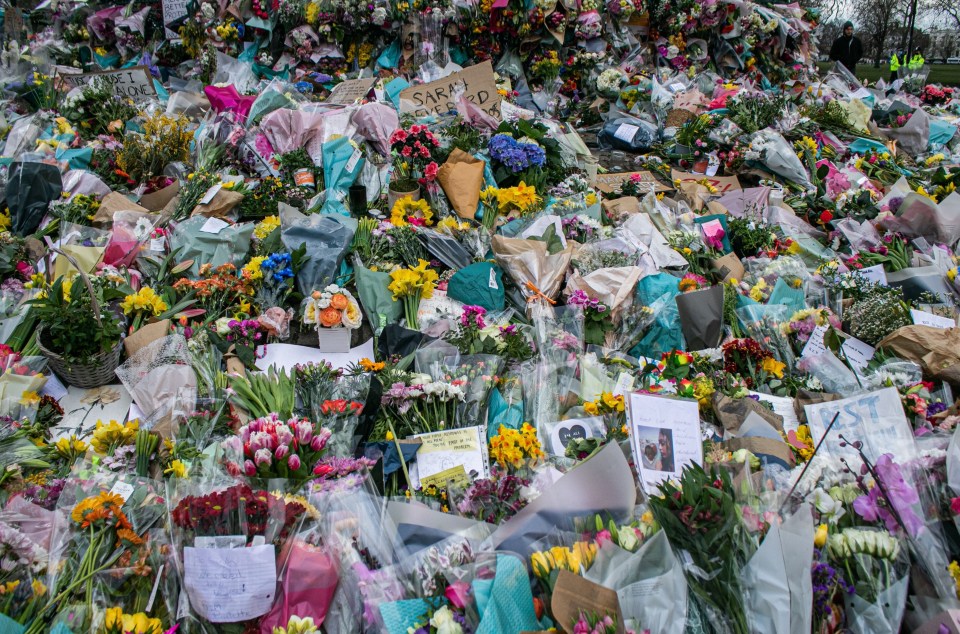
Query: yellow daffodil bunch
[608,403]
[369,365]
[514,449]
[145,301]
[265,227]
[933,160]
[521,198]
[108,437]
[176,469]
[116,622]
[411,285]
[576,559]
[409,211]
[771,366]
[296,625]
[71,448]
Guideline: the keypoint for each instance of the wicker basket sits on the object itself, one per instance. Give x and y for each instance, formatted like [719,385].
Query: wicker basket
[101,368]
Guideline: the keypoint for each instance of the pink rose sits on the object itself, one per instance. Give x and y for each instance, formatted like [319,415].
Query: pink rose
[458,594]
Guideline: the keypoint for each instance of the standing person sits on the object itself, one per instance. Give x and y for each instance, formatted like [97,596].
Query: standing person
[896,61]
[847,48]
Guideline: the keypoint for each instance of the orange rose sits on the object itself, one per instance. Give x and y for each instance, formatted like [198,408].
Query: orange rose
[330,317]
[339,301]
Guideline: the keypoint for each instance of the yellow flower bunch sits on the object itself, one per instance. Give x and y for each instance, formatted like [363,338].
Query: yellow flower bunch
[109,437]
[521,198]
[952,274]
[371,366]
[802,444]
[312,12]
[771,366]
[452,225]
[5,220]
[514,448]
[413,282]
[116,622]
[407,210]
[923,192]
[164,140]
[806,144]
[145,300]
[265,227]
[9,587]
[954,569]
[71,447]
[176,469]
[575,559]
[608,403]
[252,270]
[932,160]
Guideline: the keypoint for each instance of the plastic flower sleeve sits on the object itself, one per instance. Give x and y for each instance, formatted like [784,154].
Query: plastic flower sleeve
[205,241]
[156,376]
[649,583]
[31,187]
[764,323]
[131,229]
[326,238]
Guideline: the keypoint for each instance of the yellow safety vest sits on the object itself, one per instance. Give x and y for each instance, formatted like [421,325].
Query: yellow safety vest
[916,62]
[894,63]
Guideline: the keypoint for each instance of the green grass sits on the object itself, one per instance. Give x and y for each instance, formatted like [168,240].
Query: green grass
[946,74]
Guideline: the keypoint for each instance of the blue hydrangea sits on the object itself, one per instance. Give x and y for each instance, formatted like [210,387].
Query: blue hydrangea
[516,156]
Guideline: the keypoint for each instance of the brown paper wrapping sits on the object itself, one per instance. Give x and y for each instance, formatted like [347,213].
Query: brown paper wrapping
[221,205]
[573,594]
[112,203]
[621,206]
[729,267]
[145,336]
[758,445]
[804,398]
[935,350]
[613,286]
[731,412]
[461,178]
[528,261]
[159,199]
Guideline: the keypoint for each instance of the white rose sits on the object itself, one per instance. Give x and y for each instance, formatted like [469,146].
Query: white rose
[323,302]
[223,325]
[443,621]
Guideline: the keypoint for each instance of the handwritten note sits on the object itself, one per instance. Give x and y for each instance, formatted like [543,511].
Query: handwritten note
[858,353]
[173,10]
[214,225]
[815,344]
[440,306]
[134,82]
[665,433]
[923,318]
[875,274]
[783,406]
[439,97]
[876,419]
[348,92]
[444,450]
[228,585]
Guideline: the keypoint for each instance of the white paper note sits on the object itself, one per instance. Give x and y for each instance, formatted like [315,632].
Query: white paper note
[875,418]
[228,585]
[626,132]
[815,345]
[923,318]
[875,274]
[859,354]
[214,225]
[207,197]
[444,450]
[285,356]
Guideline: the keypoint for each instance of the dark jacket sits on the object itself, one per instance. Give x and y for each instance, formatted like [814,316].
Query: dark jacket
[847,51]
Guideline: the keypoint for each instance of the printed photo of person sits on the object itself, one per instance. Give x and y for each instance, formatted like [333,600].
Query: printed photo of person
[656,448]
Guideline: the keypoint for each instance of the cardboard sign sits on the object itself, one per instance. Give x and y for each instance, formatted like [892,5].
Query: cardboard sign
[173,10]
[350,91]
[723,184]
[439,97]
[134,82]
[609,183]
[875,418]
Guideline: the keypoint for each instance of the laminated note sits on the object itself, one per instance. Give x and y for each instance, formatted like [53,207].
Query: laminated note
[228,585]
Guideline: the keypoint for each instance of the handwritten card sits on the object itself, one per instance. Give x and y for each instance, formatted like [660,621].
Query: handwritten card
[923,318]
[457,476]
[875,418]
[350,91]
[665,433]
[559,434]
[858,353]
[443,450]
[815,344]
[875,274]
[228,585]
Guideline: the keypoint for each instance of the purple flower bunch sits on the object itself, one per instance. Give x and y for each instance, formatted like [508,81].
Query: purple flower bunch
[472,316]
[892,497]
[579,298]
[826,581]
[494,499]
[515,155]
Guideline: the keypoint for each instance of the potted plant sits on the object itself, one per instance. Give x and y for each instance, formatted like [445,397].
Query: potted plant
[335,314]
[691,141]
[78,335]
[298,167]
[413,162]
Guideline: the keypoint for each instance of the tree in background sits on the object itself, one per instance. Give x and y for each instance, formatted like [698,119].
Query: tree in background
[878,19]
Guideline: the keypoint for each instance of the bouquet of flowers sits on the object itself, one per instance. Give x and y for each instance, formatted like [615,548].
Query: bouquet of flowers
[413,160]
[333,307]
[270,447]
[936,95]
[410,285]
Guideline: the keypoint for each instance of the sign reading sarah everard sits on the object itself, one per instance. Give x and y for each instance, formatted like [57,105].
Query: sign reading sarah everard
[439,97]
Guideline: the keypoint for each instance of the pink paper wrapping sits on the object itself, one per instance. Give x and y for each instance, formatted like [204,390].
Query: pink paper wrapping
[376,122]
[100,22]
[307,588]
[289,130]
[227,99]
[474,114]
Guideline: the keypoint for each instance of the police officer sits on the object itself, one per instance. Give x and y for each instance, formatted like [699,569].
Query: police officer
[895,62]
